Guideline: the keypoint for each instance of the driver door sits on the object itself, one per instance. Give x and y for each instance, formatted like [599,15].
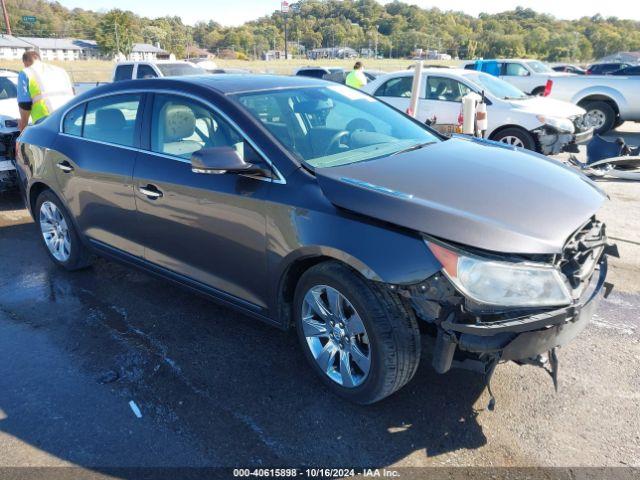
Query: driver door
[516,74]
[207,229]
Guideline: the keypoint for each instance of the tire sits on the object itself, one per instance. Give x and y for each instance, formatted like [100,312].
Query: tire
[618,122]
[602,113]
[538,91]
[57,229]
[391,338]
[517,137]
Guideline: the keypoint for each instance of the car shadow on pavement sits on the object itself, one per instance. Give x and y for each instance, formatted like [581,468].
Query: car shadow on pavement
[225,388]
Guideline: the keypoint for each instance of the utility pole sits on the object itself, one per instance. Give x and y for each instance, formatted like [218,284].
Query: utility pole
[115,28]
[284,8]
[6,17]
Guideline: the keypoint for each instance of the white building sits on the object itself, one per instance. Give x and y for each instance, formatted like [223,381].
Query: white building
[12,48]
[145,52]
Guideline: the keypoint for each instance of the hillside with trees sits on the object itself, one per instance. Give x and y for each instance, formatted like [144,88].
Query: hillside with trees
[396,29]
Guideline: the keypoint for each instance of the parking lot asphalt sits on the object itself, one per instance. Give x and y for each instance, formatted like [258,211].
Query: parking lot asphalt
[216,388]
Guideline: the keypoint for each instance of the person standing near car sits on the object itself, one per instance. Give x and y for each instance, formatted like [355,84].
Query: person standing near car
[356,78]
[42,88]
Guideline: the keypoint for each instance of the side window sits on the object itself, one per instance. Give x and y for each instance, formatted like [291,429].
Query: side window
[112,119]
[396,87]
[7,89]
[123,72]
[515,70]
[446,89]
[181,126]
[145,71]
[72,123]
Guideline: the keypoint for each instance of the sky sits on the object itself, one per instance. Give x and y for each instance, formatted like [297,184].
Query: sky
[240,11]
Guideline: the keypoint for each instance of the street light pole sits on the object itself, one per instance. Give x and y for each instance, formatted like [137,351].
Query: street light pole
[6,17]
[284,8]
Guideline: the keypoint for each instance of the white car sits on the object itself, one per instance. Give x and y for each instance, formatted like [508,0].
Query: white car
[536,123]
[530,76]
[156,69]
[9,114]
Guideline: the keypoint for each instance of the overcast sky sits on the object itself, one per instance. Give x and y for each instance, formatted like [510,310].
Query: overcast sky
[238,12]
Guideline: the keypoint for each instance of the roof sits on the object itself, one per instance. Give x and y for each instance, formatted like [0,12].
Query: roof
[629,57]
[146,48]
[52,43]
[13,42]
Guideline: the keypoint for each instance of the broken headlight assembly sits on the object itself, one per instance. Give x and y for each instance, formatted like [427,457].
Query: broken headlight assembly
[501,283]
[563,125]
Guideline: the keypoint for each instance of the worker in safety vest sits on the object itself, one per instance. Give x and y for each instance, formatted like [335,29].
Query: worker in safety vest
[42,88]
[357,78]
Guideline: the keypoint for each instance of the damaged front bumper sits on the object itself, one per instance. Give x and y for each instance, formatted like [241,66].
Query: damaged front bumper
[552,142]
[522,339]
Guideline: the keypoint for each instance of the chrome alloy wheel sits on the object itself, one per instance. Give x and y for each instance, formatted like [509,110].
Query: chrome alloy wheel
[336,336]
[54,231]
[596,118]
[512,140]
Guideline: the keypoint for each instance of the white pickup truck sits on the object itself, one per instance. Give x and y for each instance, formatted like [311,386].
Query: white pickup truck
[608,99]
[158,68]
[536,123]
[530,76]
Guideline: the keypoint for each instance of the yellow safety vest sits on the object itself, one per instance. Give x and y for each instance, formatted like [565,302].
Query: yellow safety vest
[49,89]
[356,79]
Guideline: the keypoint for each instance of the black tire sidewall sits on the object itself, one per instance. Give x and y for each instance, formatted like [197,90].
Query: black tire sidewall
[76,253]
[607,110]
[524,136]
[352,290]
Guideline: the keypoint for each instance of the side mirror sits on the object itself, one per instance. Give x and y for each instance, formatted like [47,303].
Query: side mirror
[219,160]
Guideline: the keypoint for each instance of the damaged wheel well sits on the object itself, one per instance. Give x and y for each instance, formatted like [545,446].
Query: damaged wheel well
[288,283]
[34,192]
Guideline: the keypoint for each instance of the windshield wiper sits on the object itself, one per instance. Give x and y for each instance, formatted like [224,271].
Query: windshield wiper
[417,146]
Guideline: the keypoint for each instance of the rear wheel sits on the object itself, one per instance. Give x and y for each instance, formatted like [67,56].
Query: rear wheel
[516,137]
[538,91]
[356,335]
[58,233]
[601,115]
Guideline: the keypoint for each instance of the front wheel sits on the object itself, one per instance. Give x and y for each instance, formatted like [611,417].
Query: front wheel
[516,137]
[58,233]
[601,115]
[356,335]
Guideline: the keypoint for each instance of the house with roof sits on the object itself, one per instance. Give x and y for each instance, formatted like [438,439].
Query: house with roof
[145,52]
[12,48]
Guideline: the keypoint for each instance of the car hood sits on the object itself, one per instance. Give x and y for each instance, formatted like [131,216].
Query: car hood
[486,196]
[549,107]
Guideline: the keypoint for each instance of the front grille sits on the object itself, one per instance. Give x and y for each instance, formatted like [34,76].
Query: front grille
[581,254]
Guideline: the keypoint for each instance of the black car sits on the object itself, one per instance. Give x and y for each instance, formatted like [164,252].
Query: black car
[635,70]
[605,68]
[308,204]
[570,69]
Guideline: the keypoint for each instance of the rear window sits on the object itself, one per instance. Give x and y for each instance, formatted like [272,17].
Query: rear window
[179,69]
[123,72]
[7,89]
[72,123]
[112,119]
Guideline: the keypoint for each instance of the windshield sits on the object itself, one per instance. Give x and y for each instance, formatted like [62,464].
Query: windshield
[334,125]
[539,67]
[495,86]
[179,69]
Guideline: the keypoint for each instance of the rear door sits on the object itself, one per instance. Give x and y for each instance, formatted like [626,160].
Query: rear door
[396,92]
[208,229]
[94,159]
[443,102]
[516,74]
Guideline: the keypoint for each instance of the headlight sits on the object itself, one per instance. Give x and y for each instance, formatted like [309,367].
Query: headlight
[499,283]
[561,124]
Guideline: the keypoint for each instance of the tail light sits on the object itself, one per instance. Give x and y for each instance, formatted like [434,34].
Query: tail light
[547,88]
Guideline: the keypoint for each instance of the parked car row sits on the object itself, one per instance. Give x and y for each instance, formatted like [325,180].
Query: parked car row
[535,123]
[609,100]
[314,206]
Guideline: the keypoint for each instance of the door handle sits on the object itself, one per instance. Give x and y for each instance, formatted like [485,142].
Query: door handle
[65,166]
[150,191]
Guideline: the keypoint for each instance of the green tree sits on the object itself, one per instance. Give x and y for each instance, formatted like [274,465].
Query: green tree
[116,32]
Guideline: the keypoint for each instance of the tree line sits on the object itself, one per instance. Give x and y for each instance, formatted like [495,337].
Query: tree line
[395,29]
